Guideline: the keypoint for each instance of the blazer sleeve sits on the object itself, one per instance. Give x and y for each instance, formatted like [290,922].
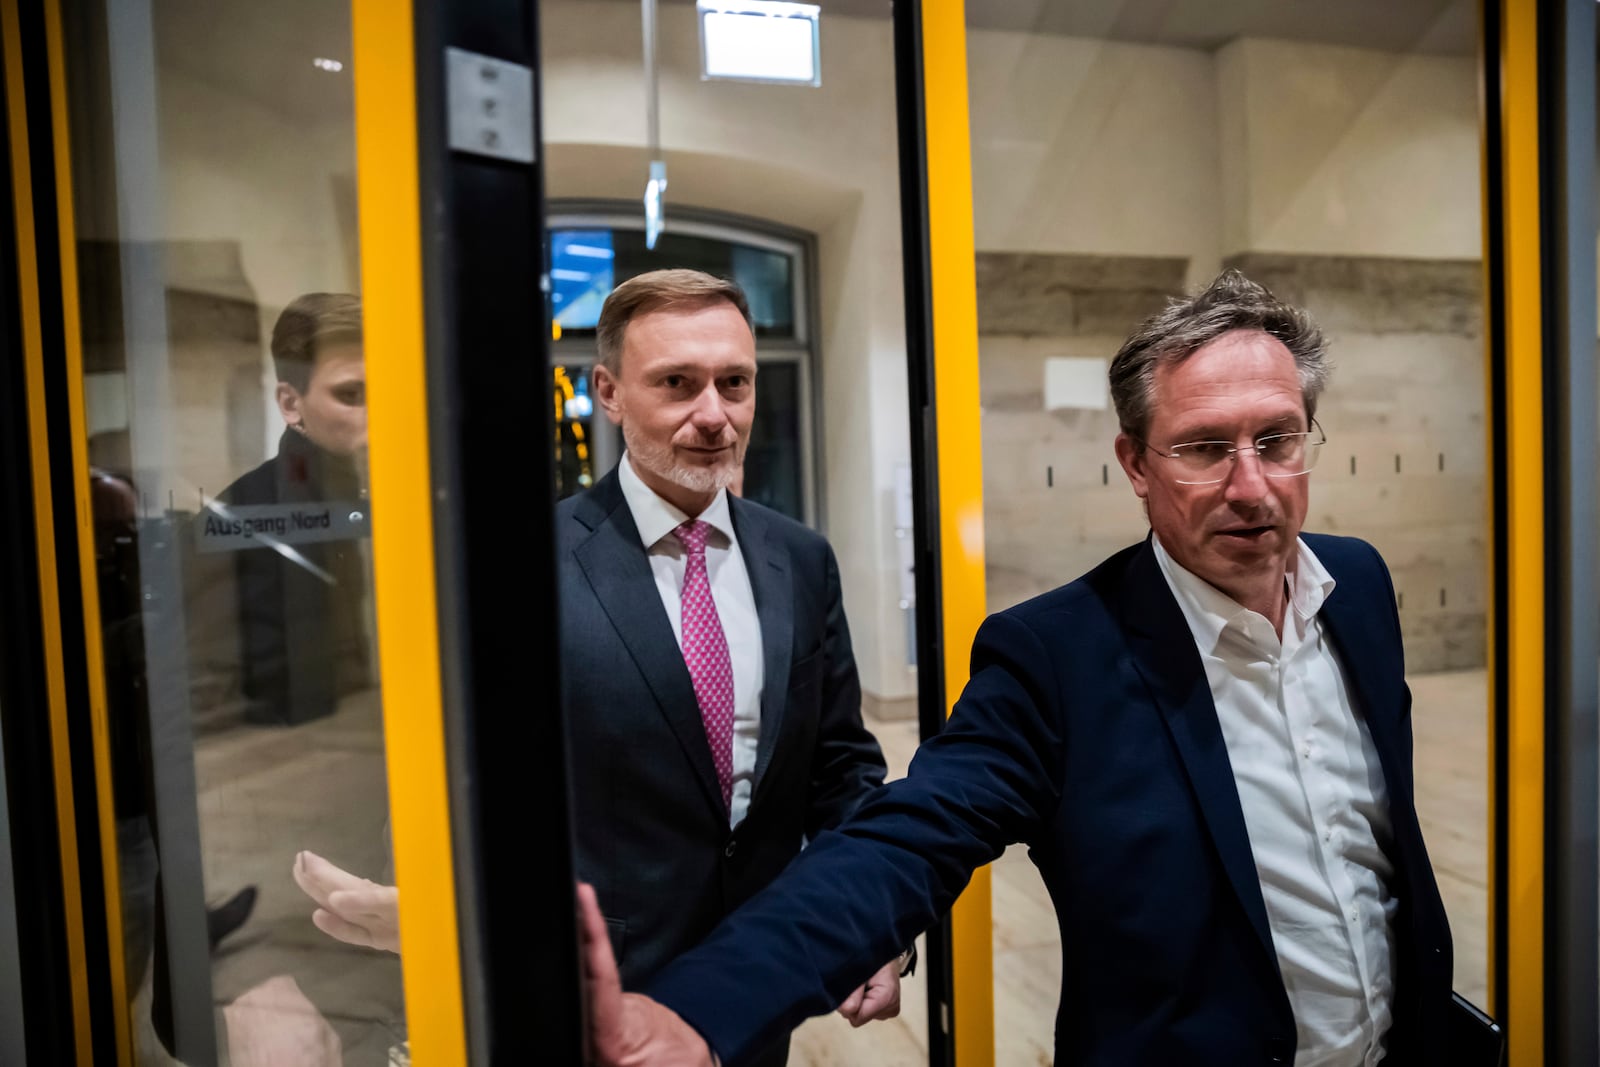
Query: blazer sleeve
[847,763]
[861,892]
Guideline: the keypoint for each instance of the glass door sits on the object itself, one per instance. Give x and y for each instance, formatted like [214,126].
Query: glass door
[1339,164]
[794,190]
[281,593]
[211,237]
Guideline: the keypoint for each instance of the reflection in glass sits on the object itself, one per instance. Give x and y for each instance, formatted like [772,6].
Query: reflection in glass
[224,377]
[284,629]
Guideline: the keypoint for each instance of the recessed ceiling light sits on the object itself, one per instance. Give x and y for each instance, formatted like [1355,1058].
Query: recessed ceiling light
[332,66]
[760,40]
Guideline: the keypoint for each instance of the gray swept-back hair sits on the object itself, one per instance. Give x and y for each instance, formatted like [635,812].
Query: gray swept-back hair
[1231,302]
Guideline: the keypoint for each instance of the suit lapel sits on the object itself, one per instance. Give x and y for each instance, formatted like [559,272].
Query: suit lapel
[1165,656]
[617,568]
[766,559]
[1368,661]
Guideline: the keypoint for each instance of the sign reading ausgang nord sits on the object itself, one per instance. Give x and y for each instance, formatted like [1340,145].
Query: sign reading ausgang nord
[232,527]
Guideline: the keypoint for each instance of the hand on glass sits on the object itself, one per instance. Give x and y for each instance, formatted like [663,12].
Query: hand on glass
[628,1029]
[275,1025]
[876,998]
[351,909]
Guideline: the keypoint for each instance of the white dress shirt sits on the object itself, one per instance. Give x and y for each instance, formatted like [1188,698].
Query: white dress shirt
[1315,806]
[736,608]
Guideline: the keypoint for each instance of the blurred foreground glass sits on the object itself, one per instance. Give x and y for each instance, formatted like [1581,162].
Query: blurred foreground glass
[224,375]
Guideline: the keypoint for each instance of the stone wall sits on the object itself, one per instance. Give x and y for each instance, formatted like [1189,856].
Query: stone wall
[1404,466]
[1055,502]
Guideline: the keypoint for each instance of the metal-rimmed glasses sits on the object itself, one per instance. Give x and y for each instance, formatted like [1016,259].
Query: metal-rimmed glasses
[1281,455]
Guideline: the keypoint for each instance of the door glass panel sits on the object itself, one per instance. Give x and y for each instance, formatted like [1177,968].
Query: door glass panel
[1124,154]
[793,192]
[214,199]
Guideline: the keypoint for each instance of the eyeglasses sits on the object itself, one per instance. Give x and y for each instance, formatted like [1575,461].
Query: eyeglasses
[1281,455]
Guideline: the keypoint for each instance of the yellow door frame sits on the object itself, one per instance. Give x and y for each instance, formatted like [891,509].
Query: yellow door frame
[1539,150]
[1516,393]
[61,548]
[404,567]
[20,158]
[959,445]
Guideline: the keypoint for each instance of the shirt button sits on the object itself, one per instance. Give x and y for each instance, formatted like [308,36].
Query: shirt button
[733,847]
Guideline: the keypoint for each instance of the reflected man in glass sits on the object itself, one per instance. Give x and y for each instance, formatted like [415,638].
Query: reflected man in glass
[279,619]
[297,641]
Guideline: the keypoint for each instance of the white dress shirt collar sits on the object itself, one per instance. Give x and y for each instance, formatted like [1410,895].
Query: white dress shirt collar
[656,517]
[1209,611]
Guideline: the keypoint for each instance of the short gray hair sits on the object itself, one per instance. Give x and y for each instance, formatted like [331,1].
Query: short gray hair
[1231,302]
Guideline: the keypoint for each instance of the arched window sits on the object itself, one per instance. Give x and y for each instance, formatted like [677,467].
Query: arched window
[594,247]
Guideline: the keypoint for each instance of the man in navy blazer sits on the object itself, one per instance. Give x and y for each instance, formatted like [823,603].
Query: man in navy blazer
[1205,741]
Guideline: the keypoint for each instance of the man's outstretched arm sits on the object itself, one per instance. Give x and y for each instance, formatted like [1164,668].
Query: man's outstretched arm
[857,894]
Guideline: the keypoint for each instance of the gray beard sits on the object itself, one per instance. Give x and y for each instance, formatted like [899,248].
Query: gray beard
[658,461]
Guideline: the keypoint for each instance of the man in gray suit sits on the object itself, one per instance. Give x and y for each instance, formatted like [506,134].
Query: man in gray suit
[710,690]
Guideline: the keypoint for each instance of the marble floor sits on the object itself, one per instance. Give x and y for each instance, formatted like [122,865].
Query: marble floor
[267,792]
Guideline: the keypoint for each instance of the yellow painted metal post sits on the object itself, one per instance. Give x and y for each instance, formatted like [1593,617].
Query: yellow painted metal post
[84,546]
[403,545]
[43,518]
[1524,504]
[960,448]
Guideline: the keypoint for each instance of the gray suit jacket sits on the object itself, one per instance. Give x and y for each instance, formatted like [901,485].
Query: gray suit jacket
[651,833]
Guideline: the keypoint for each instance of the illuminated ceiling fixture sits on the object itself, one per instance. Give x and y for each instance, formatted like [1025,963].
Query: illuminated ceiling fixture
[332,66]
[760,40]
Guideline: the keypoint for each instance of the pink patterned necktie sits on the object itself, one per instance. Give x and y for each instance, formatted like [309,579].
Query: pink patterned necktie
[705,651]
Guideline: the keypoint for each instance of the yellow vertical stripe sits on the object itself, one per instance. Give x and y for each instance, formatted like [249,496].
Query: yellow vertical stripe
[44,529]
[403,551]
[1525,532]
[83,511]
[960,447]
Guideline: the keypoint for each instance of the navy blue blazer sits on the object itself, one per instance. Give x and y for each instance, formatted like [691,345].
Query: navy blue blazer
[1087,730]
